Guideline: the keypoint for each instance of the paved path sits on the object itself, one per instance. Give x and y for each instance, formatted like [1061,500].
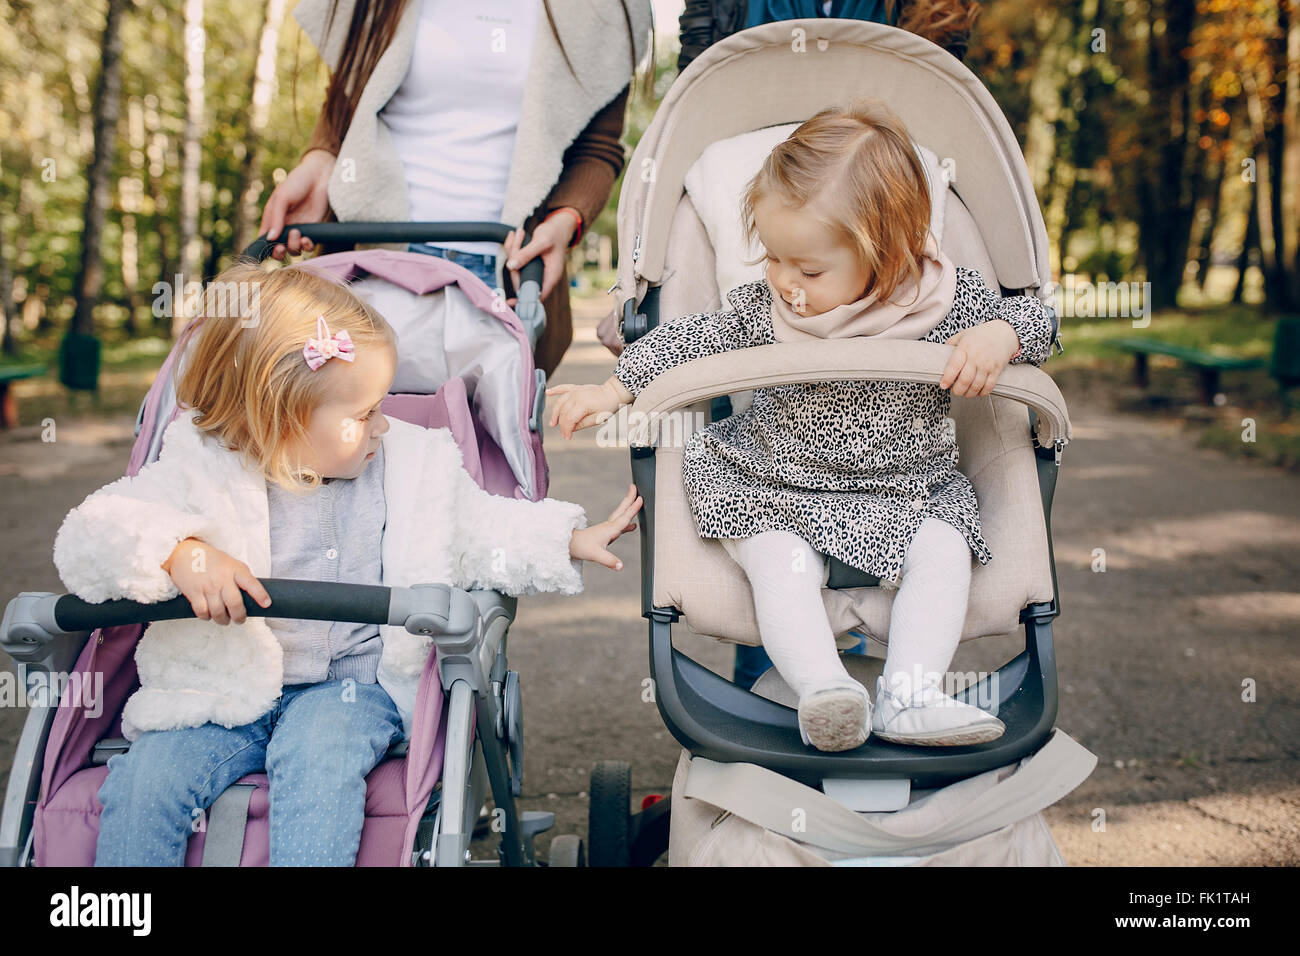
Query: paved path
[1199,595]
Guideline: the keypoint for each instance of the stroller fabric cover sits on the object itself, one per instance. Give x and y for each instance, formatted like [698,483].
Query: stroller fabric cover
[484,393]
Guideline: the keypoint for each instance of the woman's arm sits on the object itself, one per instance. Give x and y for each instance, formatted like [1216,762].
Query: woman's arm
[591,164]
[324,136]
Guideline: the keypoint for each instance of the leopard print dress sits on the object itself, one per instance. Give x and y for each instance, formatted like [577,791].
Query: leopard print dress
[852,467]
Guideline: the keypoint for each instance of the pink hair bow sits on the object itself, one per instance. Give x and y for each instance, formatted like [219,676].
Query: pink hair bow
[324,347]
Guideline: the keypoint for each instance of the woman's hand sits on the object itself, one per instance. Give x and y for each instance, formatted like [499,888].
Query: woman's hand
[550,240]
[581,406]
[607,332]
[211,579]
[590,544]
[302,197]
[982,353]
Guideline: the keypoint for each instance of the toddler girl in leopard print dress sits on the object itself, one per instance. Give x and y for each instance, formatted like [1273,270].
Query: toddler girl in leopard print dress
[862,470]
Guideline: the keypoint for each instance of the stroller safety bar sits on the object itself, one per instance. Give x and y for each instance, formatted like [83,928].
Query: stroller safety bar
[448,614]
[529,307]
[786,363]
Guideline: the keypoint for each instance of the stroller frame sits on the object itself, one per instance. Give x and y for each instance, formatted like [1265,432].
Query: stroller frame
[780,73]
[714,718]
[45,634]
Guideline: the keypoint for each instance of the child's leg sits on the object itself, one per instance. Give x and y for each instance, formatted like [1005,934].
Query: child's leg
[930,606]
[924,628]
[153,790]
[785,574]
[329,736]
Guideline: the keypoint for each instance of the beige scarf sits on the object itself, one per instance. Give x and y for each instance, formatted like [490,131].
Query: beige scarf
[908,315]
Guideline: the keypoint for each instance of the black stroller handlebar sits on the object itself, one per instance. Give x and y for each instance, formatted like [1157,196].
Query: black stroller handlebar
[354,232]
[32,619]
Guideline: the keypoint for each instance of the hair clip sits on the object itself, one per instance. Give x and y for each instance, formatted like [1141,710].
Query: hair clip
[324,347]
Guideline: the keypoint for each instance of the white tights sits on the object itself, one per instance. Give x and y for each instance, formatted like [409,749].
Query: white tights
[786,576]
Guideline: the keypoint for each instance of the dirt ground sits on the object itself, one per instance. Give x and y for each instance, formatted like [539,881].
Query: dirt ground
[1178,663]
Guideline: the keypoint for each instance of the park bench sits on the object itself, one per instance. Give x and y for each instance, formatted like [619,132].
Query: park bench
[1207,364]
[8,402]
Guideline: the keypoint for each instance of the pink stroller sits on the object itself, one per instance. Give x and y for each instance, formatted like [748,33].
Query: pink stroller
[465,364]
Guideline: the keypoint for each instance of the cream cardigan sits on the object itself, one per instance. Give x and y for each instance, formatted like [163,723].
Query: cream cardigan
[369,182]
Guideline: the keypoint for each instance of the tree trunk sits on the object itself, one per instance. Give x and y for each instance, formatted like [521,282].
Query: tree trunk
[247,196]
[1205,242]
[1288,180]
[108,96]
[191,247]
[1249,241]
[1166,190]
[8,341]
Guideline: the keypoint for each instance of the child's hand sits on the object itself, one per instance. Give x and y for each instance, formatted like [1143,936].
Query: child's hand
[982,353]
[211,579]
[589,544]
[581,406]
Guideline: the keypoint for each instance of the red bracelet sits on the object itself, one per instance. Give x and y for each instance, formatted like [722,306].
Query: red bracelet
[577,233]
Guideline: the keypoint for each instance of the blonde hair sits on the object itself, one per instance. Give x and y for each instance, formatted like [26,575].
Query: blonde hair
[245,373]
[856,168]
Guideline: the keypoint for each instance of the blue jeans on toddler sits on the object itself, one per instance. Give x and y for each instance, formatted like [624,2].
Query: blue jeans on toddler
[316,745]
[485,267]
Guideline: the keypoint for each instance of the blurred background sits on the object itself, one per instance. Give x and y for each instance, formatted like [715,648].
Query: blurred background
[139,142]
[1161,136]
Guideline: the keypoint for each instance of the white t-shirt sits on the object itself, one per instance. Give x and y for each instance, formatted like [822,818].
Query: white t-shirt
[454,117]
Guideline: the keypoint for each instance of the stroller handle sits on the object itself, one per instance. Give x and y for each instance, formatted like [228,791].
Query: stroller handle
[354,232]
[435,609]
[529,307]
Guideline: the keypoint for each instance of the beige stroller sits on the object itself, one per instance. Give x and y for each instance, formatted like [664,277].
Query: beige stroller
[746,777]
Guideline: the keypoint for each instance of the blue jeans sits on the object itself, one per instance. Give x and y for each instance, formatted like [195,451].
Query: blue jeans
[316,745]
[485,267]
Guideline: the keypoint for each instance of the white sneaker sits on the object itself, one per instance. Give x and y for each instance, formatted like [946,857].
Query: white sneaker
[835,716]
[931,718]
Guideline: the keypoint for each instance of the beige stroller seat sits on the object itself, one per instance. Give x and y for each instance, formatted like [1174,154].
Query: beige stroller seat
[1010,442]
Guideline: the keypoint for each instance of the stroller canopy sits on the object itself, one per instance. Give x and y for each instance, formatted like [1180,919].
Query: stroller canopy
[760,77]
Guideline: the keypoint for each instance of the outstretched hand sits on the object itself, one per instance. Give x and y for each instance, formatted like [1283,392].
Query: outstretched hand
[592,544]
[581,406]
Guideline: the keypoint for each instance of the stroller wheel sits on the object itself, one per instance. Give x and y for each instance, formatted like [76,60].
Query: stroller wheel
[608,818]
[567,850]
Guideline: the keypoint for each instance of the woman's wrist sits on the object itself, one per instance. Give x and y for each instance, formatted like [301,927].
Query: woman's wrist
[570,213]
[325,155]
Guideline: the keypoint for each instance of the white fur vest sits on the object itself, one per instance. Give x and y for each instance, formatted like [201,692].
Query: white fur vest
[441,528]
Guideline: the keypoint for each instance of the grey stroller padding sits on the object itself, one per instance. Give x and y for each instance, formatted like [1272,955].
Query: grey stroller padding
[446,336]
[935,822]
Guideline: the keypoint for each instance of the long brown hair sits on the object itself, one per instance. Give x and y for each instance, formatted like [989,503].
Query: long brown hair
[371,31]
